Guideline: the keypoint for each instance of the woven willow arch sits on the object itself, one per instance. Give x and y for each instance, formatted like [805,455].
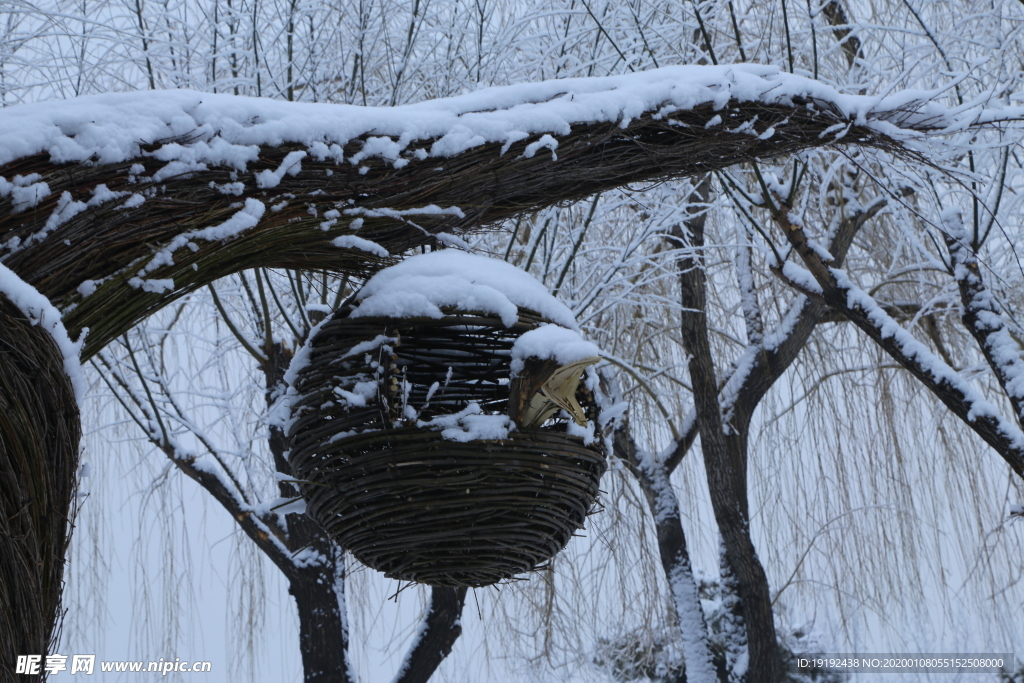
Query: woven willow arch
[39,437]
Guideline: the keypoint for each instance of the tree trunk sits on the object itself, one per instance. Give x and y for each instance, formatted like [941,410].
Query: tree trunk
[323,629]
[440,629]
[725,459]
[317,584]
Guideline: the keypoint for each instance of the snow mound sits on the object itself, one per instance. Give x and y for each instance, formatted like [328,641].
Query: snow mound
[470,424]
[422,285]
[551,342]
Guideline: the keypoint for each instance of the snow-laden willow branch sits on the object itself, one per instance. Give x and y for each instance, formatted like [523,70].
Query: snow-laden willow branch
[981,314]
[767,356]
[823,280]
[114,205]
[663,503]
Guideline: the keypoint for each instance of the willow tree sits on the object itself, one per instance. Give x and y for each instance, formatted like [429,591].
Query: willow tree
[112,207]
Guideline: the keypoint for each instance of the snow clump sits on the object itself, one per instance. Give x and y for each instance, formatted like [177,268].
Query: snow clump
[422,285]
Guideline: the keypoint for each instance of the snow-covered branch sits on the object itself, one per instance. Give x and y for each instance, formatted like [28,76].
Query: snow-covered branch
[957,393]
[765,359]
[211,475]
[982,316]
[126,201]
[661,498]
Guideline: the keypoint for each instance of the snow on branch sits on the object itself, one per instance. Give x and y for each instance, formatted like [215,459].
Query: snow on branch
[224,130]
[177,164]
[38,309]
[981,314]
[949,386]
[653,475]
[749,377]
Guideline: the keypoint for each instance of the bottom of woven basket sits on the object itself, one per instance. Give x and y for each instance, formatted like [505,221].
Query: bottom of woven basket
[420,508]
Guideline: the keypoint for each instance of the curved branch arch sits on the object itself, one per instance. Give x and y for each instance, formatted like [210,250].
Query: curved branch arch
[110,242]
[39,435]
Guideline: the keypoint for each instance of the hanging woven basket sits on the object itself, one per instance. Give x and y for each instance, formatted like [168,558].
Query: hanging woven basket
[436,448]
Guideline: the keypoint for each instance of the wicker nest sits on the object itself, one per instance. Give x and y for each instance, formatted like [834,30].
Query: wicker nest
[403,494]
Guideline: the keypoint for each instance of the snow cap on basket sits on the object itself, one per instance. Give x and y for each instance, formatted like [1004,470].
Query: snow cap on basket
[552,342]
[422,285]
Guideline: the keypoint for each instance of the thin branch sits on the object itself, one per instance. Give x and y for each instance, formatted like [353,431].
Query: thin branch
[253,351]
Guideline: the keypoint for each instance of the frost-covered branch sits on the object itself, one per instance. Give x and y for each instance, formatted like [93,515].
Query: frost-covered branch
[748,293]
[663,503]
[312,563]
[962,398]
[982,316]
[211,476]
[102,222]
[761,364]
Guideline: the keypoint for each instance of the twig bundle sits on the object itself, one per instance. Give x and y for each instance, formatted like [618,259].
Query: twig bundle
[397,493]
[108,243]
[39,435]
